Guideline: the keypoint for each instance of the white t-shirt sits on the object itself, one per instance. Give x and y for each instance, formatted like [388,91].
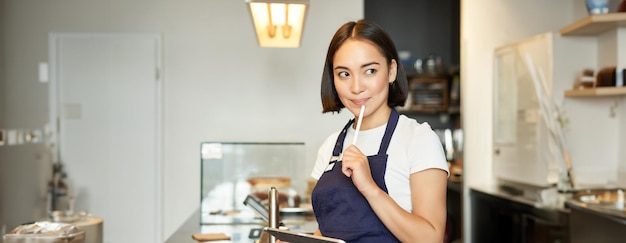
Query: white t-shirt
[413,147]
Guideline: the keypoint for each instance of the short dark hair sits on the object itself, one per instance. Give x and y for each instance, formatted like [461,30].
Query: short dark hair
[368,31]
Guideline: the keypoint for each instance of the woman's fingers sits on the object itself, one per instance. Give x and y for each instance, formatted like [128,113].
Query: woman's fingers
[350,160]
[346,170]
[355,164]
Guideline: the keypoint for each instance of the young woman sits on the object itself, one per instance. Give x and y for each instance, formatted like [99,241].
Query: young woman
[390,186]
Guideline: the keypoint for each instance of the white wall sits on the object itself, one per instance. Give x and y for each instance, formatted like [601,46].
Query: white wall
[2,69]
[621,110]
[219,85]
[485,25]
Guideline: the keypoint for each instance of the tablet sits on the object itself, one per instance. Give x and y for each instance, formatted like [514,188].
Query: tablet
[258,207]
[297,237]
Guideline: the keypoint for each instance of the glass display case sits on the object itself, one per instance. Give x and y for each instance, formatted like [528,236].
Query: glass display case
[520,138]
[231,171]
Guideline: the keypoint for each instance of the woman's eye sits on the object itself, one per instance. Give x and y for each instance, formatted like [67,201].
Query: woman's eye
[343,74]
[370,71]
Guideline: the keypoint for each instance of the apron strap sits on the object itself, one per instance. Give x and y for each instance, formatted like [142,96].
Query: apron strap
[391,126]
[342,136]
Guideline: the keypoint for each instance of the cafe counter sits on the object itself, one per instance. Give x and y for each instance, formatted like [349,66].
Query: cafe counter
[239,233]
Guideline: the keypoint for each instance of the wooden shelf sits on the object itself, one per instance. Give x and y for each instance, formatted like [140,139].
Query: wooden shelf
[428,94]
[595,24]
[591,92]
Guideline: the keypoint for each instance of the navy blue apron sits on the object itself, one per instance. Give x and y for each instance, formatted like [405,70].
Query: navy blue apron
[340,209]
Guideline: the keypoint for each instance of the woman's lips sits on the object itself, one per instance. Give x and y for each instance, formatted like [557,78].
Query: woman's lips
[359,102]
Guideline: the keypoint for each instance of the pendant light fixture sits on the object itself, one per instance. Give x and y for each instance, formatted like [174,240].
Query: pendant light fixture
[278,23]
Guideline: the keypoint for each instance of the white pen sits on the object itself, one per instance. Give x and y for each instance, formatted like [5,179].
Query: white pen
[358,124]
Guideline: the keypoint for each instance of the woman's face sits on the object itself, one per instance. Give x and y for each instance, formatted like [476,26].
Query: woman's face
[362,77]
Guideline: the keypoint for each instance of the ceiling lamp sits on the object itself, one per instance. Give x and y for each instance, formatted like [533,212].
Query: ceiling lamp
[278,23]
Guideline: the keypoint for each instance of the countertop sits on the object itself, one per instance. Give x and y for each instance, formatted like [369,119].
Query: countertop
[606,202]
[556,201]
[547,199]
[610,214]
[238,232]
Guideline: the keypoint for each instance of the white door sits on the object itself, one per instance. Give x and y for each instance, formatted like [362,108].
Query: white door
[108,106]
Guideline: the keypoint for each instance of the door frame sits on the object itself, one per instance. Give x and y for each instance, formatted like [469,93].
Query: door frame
[52,127]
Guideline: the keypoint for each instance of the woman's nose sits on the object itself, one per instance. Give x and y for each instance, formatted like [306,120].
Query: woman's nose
[356,87]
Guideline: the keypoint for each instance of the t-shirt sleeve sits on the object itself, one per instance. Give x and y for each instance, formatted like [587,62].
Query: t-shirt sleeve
[427,150]
[323,156]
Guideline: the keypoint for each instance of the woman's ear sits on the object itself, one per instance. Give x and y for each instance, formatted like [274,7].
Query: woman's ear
[393,70]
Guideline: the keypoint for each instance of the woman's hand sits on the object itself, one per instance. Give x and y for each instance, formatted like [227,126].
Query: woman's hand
[355,165]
